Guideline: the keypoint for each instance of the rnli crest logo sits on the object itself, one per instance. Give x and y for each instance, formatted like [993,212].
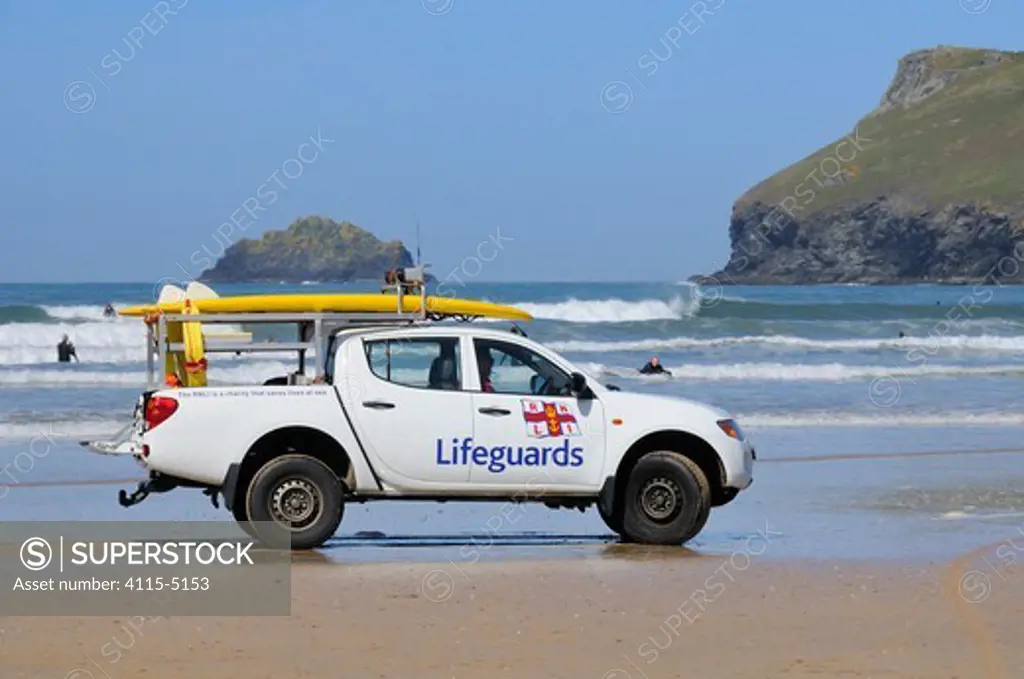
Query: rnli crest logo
[548,420]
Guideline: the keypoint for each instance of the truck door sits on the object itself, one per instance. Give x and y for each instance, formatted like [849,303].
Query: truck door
[410,407]
[533,430]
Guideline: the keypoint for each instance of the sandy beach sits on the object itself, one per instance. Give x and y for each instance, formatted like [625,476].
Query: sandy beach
[834,566]
[622,613]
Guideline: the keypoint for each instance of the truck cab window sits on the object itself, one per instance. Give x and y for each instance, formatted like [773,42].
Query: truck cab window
[515,369]
[427,363]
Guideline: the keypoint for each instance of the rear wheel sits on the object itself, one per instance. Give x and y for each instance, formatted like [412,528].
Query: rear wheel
[300,493]
[667,500]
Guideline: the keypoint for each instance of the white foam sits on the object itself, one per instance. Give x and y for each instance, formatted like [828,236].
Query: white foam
[834,371]
[803,372]
[961,515]
[246,373]
[859,419]
[11,356]
[109,341]
[61,429]
[610,310]
[921,346]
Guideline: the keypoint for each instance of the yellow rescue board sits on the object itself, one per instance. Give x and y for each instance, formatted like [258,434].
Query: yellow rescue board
[195,359]
[174,362]
[185,368]
[333,303]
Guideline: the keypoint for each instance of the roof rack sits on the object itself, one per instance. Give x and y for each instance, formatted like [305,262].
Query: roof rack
[314,329]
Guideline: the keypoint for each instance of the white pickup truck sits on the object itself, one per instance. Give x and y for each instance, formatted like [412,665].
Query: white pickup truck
[443,412]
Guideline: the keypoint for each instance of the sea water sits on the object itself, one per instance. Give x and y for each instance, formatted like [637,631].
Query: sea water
[869,443]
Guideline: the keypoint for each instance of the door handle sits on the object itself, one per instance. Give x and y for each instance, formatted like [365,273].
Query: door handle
[495,411]
[379,405]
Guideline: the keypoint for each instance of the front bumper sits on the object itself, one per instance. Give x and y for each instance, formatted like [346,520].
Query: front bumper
[739,464]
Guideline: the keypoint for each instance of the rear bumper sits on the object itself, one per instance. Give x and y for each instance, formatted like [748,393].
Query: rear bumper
[127,441]
[112,447]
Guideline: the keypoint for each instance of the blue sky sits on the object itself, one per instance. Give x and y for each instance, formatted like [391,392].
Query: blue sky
[131,134]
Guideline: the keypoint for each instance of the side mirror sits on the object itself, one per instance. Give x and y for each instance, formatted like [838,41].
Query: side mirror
[577,384]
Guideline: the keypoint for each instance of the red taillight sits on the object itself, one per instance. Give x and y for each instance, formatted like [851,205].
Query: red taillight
[158,410]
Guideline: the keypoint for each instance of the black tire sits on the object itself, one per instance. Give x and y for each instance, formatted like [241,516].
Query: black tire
[242,518]
[724,496]
[613,520]
[667,500]
[300,493]
[705,494]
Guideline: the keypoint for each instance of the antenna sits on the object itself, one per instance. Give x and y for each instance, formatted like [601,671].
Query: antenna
[418,259]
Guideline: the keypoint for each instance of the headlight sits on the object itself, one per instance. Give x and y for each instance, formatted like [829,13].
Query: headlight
[731,428]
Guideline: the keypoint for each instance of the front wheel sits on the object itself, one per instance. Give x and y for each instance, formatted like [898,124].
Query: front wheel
[300,493]
[240,512]
[667,500]
[724,496]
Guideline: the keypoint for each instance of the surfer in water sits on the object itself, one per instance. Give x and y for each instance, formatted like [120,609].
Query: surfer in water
[66,350]
[109,311]
[654,367]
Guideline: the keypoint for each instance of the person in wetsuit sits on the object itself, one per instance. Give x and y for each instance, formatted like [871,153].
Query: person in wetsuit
[109,311]
[654,367]
[66,350]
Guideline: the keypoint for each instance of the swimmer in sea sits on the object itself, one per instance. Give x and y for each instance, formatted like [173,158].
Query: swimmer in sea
[654,367]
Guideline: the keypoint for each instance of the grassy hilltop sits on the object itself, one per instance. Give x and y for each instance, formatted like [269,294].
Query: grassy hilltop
[950,129]
[310,249]
[940,167]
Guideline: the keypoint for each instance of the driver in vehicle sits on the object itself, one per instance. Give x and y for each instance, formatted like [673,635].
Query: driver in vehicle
[485,362]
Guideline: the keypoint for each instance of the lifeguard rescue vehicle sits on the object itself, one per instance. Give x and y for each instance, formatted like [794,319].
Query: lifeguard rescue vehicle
[406,402]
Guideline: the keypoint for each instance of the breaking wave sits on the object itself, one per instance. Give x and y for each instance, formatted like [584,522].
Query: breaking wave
[246,373]
[62,429]
[96,342]
[993,343]
[24,313]
[108,341]
[804,372]
[972,307]
[610,310]
[715,305]
[840,419]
